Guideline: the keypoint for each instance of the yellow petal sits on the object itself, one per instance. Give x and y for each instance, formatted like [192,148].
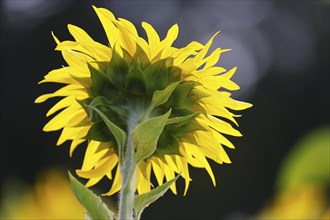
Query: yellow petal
[209,72]
[152,35]
[182,165]
[63,103]
[73,90]
[214,109]
[92,147]
[97,51]
[158,171]
[59,76]
[239,105]
[81,117]
[188,65]
[182,55]
[230,73]
[171,36]
[116,185]
[194,45]
[93,181]
[216,82]
[222,126]
[199,57]
[126,39]
[213,58]
[129,26]
[224,141]
[224,156]
[223,99]
[107,18]
[70,133]
[153,39]
[99,171]
[94,152]
[55,38]
[169,174]
[188,155]
[61,119]
[79,34]
[145,170]
[74,144]
[200,157]
[144,45]
[170,161]
[77,60]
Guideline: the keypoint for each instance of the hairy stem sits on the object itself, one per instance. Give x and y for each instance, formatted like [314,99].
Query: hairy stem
[128,171]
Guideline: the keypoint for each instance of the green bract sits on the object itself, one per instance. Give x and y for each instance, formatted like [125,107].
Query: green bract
[133,84]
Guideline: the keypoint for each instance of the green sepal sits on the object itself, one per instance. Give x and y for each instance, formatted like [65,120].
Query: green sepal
[108,108]
[84,81]
[161,96]
[180,94]
[100,81]
[156,75]
[141,57]
[99,132]
[193,97]
[126,56]
[144,200]
[84,104]
[136,82]
[116,131]
[168,144]
[181,129]
[145,136]
[174,73]
[117,70]
[181,115]
[94,206]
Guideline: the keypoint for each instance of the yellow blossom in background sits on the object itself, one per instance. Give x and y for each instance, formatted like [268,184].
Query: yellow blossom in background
[303,181]
[307,202]
[132,79]
[50,198]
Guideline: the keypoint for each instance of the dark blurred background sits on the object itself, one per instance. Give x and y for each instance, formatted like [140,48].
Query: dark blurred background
[281,49]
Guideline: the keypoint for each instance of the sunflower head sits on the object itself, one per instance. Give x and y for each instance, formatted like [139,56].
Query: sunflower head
[131,81]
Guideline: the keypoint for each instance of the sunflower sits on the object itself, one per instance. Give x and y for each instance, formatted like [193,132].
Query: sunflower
[123,80]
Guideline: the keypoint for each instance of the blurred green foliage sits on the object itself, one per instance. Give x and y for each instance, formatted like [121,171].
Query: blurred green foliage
[308,162]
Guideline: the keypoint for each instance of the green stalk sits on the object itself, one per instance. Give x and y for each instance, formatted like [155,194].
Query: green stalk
[127,198]
[128,171]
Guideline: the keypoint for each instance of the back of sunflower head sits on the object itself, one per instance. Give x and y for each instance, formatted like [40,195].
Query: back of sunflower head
[143,106]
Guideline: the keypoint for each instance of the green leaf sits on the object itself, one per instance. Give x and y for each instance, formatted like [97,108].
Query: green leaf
[144,200]
[119,134]
[161,96]
[145,136]
[92,203]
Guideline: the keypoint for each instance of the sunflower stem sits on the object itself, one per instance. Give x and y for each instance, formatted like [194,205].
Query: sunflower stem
[127,198]
[128,171]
